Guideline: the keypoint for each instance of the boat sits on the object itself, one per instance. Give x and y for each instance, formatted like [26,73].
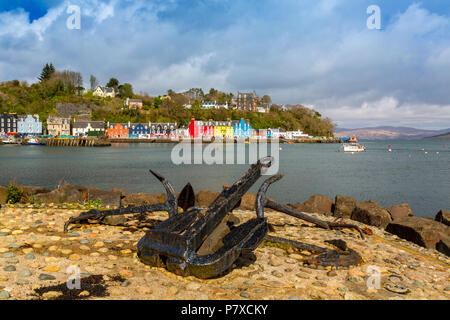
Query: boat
[33,141]
[353,146]
[9,140]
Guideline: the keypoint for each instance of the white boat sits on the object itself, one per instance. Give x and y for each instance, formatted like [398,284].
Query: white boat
[353,146]
[33,141]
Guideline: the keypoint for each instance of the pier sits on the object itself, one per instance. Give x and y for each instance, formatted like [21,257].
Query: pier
[83,142]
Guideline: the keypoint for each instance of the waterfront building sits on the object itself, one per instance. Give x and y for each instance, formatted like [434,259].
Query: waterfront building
[8,123]
[84,128]
[57,126]
[274,133]
[296,135]
[223,129]
[118,131]
[163,130]
[241,129]
[29,125]
[139,130]
[104,92]
[200,129]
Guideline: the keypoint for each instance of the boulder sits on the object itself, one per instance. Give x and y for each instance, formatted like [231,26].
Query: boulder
[372,214]
[443,216]
[248,202]
[319,204]
[424,232]
[399,212]
[205,197]
[443,246]
[29,193]
[62,194]
[107,198]
[3,195]
[139,199]
[344,206]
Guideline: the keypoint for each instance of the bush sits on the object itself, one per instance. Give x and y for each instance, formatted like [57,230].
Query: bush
[15,193]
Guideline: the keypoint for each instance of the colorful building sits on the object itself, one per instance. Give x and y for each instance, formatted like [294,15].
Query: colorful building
[242,129]
[29,125]
[8,123]
[139,131]
[118,130]
[223,129]
[57,126]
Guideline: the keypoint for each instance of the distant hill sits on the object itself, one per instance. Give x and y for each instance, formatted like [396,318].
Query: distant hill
[445,136]
[390,133]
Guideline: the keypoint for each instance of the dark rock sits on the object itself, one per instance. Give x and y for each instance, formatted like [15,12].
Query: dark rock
[4,193]
[206,197]
[44,276]
[371,213]
[424,232]
[319,204]
[62,194]
[29,193]
[107,198]
[399,212]
[114,220]
[443,216]
[443,246]
[139,199]
[344,206]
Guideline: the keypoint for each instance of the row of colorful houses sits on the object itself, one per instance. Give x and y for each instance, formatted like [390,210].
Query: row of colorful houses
[57,126]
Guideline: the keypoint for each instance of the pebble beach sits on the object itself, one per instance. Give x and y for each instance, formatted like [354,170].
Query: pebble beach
[37,259]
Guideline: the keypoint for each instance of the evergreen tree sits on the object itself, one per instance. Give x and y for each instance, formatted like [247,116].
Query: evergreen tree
[47,72]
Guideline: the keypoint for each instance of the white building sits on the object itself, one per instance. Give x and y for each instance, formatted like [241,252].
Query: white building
[295,135]
[82,128]
[104,92]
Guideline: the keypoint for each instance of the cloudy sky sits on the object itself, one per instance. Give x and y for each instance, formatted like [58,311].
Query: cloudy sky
[319,53]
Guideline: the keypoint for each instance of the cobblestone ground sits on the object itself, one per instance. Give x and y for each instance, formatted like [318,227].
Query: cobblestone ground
[36,256]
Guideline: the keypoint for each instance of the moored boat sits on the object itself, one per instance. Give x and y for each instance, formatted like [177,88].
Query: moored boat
[353,146]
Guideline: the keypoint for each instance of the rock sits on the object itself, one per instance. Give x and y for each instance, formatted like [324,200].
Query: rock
[396,288]
[25,273]
[443,216]
[74,257]
[248,202]
[30,256]
[277,274]
[400,211]
[62,194]
[4,193]
[9,268]
[29,193]
[22,282]
[443,246]
[319,204]
[371,213]
[332,273]
[126,274]
[245,295]
[144,290]
[52,295]
[8,255]
[139,199]
[126,283]
[205,197]
[106,198]
[355,279]
[84,294]
[114,220]
[51,268]
[424,232]
[44,276]
[344,206]
[4,295]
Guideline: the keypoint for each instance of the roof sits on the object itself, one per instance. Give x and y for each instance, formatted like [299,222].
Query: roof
[93,124]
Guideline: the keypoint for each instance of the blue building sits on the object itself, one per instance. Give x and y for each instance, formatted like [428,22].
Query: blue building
[29,125]
[242,129]
[139,130]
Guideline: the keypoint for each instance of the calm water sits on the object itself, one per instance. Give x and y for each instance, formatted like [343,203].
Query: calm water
[407,175]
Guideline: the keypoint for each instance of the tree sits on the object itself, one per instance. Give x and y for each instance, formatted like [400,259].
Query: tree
[70,81]
[266,99]
[94,82]
[47,72]
[126,91]
[113,83]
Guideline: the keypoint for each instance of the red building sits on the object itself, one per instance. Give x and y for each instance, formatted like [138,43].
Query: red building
[199,129]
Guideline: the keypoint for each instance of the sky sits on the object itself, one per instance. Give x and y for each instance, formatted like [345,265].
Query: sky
[319,53]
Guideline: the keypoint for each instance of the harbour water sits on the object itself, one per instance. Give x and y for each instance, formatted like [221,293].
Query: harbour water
[415,172]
